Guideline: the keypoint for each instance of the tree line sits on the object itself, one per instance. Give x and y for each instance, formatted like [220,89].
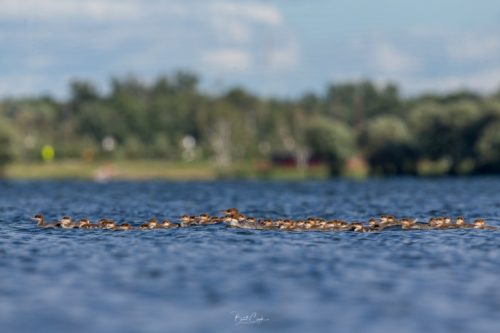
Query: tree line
[173,119]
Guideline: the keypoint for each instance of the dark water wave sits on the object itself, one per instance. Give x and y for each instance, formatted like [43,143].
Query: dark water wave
[199,279]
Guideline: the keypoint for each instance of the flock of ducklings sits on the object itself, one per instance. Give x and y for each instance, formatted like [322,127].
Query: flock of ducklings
[233,218]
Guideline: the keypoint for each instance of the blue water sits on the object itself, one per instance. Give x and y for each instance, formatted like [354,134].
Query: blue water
[200,279]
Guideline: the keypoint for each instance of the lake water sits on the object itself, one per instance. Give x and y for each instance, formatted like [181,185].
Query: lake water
[200,279]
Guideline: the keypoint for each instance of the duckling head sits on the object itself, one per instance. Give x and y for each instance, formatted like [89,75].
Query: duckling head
[251,220]
[373,223]
[83,222]
[460,221]
[230,212]
[39,219]
[407,223]
[204,217]
[66,221]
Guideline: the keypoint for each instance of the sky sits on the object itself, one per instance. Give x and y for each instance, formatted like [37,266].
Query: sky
[272,48]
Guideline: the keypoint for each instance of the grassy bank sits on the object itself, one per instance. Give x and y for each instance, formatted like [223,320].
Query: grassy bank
[152,169]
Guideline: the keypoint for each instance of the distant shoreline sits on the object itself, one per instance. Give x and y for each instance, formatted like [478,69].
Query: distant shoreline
[182,171]
[151,169]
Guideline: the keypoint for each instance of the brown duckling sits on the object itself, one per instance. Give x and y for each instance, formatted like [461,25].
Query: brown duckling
[187,221]
[436,222]
[83,223]
[124,227]
[358,227]
[166,224]
[408,224]
[388,221]
[107,224]
[67,223]
[231,221]
[447,223]
[39,218]
[374,224]
[150,224]
[266,224]
[204,219]
[480,223]
[460,223]
[343,225]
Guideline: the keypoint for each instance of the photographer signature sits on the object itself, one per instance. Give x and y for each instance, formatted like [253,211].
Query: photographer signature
[248,319]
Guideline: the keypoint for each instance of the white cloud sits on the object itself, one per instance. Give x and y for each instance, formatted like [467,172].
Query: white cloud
[69,9]
[257,12]
[227,59]
[389,59]
[474,48]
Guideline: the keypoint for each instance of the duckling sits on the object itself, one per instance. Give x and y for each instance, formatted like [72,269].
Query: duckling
[436,222]
[39,218]
[186,221]
[83,223]
[343,225]
[421,225]
[322,225]
[479,223]
[447,223]
[231,221]
[388,221]
[287,224]
[215,220]
[108,224]
[279,223]
[124,227]
[151,224]
[407,224]
[266,224]
[335,225]
[374,225]
[204,219]
[460,223]
[358,227]
[248,223]
[293,226]
[67,223]
[102,222]
[166,224]
[330,225]
[300,225]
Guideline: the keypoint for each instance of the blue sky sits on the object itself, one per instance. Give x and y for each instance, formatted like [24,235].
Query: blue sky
[281,47]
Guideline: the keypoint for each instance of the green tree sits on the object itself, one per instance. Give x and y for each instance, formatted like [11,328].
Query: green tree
[331,140]
[488,147]
[388,146]
[6,145]
[447,131]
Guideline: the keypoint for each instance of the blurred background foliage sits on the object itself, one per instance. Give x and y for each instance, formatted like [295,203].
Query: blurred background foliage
[353,125]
